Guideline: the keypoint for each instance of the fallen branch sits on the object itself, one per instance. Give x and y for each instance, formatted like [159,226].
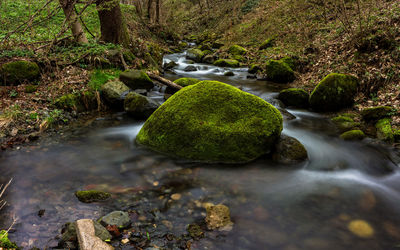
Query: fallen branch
[164,81]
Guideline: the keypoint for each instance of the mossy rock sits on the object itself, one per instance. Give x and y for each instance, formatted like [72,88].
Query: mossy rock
[136,79]
[217,44]
[89,196]
[384,130]
[69,238]
[212,122]
[268,43]
[118,218]
[294,97]
[5,242]
[113,93]
[195,231]
[229,73]
[290,62]
[79,102]
[194,54]
[237,50]
[254,68]
[344,123]
[14,73]
[279,72]
[353,135]
[170,65]
[376,113]
[139,106]
[210,59]
[186,81]
[239,58]
[231,63]
[289,151]
[396,135]
[205,46]
[334,92]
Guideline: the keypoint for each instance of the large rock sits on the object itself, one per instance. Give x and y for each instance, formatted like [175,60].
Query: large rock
[376,113]
[279,72]
[334,92]
[294,97]
[231,63]
[88,196]
[237,50]
[289,151]
[139,106]
[117,218]
[136,79]
[113,92]
[194,54]
[384,130]
[353,135]
[14,73]
[212,122]
[86,236]
[184,82]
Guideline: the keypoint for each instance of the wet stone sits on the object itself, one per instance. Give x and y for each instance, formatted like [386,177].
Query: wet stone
[118,218]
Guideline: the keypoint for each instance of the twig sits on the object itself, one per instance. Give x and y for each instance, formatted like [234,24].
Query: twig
[4,188]
[164,81]
[84,24]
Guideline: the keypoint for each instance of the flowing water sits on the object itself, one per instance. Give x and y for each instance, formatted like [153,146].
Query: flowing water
[304,206]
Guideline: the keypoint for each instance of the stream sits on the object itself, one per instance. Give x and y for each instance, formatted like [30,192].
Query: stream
[303,206]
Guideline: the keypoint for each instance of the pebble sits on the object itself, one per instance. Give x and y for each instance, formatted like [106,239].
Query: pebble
[125,241]
[176,197]
[361,228]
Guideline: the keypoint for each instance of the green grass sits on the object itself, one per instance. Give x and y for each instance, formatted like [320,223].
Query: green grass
[101,76]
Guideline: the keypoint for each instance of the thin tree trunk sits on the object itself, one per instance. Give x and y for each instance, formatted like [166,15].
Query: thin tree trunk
[158,9]
[112,24]
[150,11]
[73,22]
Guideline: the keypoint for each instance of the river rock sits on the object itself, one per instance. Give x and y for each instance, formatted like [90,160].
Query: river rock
[231,63]
[218,217]
[289,151]
[118,218]
[89,196]
[345,123]
[86,236]
[353,135]
[237,50]
[279,72]
[139,106]
[210,59]
[361,228]
[229,73]
[376,113]
[194,54]
[113,92]
[184,82]
[334,92]
[294,97]
[254,68]
[384,130]
[136,79]
[14,73]
[190,68]
[170,65]
[212,122]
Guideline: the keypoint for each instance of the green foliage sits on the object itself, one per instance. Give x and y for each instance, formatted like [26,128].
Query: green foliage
[249,5]
[384,130]
[214,122]
[13,93]
[5,242]
[101,76]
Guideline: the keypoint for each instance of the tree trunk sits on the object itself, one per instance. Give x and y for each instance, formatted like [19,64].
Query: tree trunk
[68,7]
[150,10]
[158,10]
[112,24]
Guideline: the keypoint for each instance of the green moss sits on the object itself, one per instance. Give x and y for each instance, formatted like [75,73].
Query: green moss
[14,73]
[294,97]
[237,50]
[344,123]
[290,62]
[353,135]
[384,130]
[376,113]
[227,63]
[79,102]
[5,242]
[194,54]
[334,92]
[100,77]
[267,43]
[279,71]
[136,79]
[213,122]
[254,68]
[195,231]
[67,102]
[289,150]
[186,81]
[92,196]
[239,58]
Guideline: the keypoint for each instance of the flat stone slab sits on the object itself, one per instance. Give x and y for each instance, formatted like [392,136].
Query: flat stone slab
[87,238]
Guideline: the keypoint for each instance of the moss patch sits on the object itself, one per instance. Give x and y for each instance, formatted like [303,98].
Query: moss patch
[344,123]
[213,122]
[334,92]
[194,54]
[278,71]
[353,135]
[376,113]
[384,130]
[294,97]
[186,81]
[14,73]
[92,196]
[5,242]
[237,50]
[136,79]
[231,63]
[267,43]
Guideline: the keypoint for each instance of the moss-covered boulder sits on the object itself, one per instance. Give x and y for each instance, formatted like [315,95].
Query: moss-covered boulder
[289,151]
[294,97]
[210,59]
[334,92]
[14,73]
[376,113]
[279,72]
[344,123]
[212,122]
[353,135]
[139,106]
[237,50]
[291,62]
[136,79]
[268,43]
[5,243]
[194,54]
[254,68]
[89,196]
[384,130]
[231,63]
[186,81]
[113,93]
[80,101]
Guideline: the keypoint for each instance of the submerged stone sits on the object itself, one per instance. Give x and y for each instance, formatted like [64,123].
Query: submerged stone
[231,63]
[376,113]
[361,228]
[279,72]
[218,217]
[89,196]
[113,92]
[139,106]
[353,135]
[334,92]
[136,79]
[118,218]
[14,73]
[289,151]
[213,122]
[294,97]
